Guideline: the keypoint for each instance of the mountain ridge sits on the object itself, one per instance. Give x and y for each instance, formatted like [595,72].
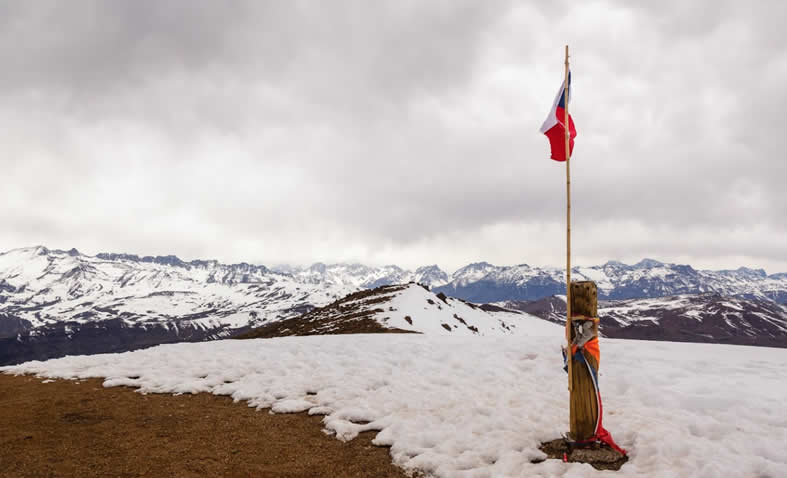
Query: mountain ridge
[55,301]
[704,318]
[481,281]
[408,308]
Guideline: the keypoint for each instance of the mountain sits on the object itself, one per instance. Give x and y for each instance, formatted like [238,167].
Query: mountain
[58,302]
[406,308]
[431,276]
[683,318]
[55,302]
[359,276]
[483,282]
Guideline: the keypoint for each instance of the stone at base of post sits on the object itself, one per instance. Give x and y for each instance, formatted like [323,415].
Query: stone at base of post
[583,403]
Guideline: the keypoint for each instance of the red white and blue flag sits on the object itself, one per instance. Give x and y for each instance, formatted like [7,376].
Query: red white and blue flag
[554,126]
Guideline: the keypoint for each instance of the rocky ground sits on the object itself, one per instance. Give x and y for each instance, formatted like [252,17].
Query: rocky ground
[599,456]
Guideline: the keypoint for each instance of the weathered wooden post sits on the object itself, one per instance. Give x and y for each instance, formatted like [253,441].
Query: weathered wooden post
[583,408]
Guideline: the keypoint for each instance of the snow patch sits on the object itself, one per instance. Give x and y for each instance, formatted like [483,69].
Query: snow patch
[479,406]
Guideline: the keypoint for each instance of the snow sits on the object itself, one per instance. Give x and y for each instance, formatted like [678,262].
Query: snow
[429,314]
[635,310]
[736,314]
[479,406]
[474,272]
[49,287]
[358,276]
[54,286]
[597,275]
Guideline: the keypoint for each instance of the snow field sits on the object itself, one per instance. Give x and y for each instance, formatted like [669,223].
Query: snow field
[479,406]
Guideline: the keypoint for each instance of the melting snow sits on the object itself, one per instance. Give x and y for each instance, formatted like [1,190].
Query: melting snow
[479,406]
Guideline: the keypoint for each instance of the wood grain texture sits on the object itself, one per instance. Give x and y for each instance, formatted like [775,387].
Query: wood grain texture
[583,405]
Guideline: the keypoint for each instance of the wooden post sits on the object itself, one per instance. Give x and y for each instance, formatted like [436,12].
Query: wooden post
[583,404]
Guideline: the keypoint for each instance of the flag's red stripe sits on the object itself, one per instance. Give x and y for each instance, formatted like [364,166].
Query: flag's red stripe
[557,136]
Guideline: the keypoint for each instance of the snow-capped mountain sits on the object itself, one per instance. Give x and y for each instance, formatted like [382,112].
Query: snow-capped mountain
[431,276]
[359,276]
[472,273]
[682,318]
[42,287]
[406,308]
[483,282]
[54,302]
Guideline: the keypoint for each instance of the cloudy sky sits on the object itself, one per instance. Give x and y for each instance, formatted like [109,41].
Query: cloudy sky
[394,132]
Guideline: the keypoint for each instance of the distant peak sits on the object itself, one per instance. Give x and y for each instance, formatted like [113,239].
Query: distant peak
[748,270]
[648,263]
[73,252]
[432,272]
[615,263]
[113,256]
[170,260]
[285,268]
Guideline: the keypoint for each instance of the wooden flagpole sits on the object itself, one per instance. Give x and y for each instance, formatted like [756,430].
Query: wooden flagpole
[568,226]
[584,412]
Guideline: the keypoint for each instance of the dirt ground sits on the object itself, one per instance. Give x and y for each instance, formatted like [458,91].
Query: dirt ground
[65,428]
[600,457]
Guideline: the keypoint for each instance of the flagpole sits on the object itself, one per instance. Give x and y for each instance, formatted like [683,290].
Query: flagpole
[567,128]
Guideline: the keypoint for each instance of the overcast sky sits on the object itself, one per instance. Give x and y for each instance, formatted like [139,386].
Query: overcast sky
[395,132]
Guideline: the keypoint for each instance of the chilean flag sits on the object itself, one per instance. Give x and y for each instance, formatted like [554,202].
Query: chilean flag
[554,126]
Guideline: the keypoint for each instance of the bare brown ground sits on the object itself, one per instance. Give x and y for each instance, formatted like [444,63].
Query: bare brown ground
[599,456]
[64,428]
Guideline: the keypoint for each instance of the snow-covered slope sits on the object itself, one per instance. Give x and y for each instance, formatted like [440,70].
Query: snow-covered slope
[67,302]
[698,318]
[687,318]
[407,308]
[462,407]
[414,308]
[44,286]
[483,282]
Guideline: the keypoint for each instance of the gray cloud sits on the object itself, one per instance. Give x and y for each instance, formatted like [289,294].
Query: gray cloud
[394,132]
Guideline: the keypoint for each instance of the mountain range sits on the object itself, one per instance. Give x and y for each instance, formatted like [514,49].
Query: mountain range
[56,302]
[708,317]
[482,282]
